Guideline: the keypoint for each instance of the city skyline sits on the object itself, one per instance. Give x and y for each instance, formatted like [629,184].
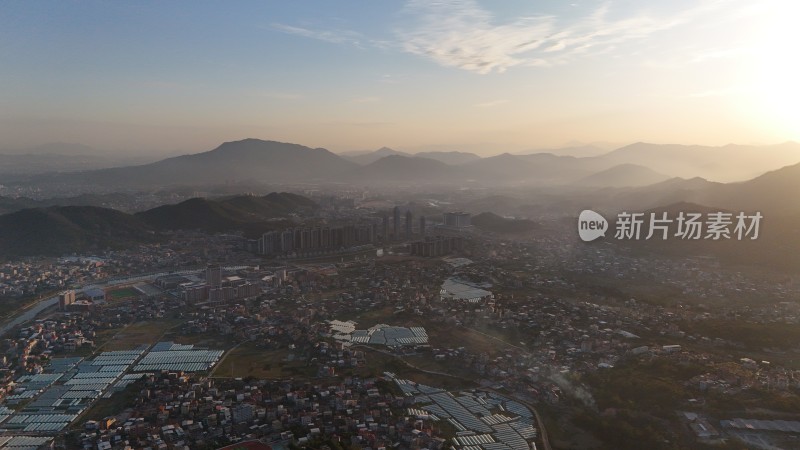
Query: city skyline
[455,75]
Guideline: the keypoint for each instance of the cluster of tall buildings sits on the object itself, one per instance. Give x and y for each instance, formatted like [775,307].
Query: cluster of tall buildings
[457,219]
[402,230]
[441,245]
[65,299]
[397,227]
[437,246]
[317,238]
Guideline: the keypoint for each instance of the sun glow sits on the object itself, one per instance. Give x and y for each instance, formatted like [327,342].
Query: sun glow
[777,82]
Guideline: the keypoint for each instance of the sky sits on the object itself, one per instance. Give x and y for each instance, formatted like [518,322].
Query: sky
[482,76]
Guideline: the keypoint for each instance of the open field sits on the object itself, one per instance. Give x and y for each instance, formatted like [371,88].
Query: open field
[205,340]
[368,318]
[562,432]
[425,361]
[108,407]
[411,368]
[148,332]
[112,406]
[247,360]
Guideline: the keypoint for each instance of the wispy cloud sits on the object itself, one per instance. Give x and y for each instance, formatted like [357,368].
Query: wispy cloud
[491,103]
[461,34]
[349,37]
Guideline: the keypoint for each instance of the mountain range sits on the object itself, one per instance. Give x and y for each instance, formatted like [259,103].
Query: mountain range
[241,212]
[726,163]
[449,157]
[765,193]
[246,160]
[58,230]
[624,175]
[12,204]
[777,245]
[258,161]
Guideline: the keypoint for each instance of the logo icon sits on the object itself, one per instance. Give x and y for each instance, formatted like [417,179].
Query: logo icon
[591,225]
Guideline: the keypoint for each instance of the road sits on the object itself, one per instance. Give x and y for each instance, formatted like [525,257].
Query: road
[28,314]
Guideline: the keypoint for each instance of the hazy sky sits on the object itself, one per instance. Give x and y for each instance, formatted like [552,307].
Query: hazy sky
[349,75]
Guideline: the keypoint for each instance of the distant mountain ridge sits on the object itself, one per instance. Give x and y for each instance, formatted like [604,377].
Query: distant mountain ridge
[248,159]
[624,175]
[8,204]
[774,191]
[258,161]
[777,246]
[724,163]
[451,158]
[367,158]
[766,193]
[245,213]
[59,230]
[447,157]
[400,168]
[577,151]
